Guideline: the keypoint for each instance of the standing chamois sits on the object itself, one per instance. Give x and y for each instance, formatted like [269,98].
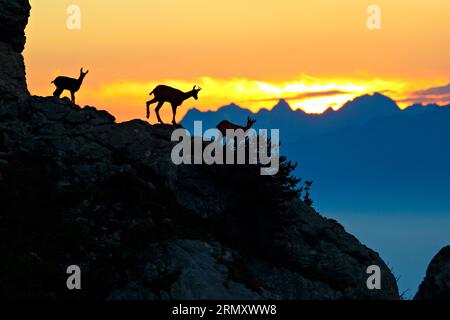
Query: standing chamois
[227,125]
[171,95]
[70,84]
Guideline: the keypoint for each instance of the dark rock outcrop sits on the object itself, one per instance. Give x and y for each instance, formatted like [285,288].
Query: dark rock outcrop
[78,188]
[291,252]
[13,20]
[436,285]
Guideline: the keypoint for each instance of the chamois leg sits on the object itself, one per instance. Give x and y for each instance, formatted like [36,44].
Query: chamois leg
[58,92]
[72,94]
[158,107]
[174,112]
[148,103]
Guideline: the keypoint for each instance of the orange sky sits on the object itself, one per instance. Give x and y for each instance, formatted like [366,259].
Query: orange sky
[249,52]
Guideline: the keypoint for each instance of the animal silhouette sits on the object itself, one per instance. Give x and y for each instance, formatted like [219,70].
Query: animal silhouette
[171,95]
[70,84]
[225,125]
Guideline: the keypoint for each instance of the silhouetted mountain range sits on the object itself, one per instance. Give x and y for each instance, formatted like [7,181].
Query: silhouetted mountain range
[354,113]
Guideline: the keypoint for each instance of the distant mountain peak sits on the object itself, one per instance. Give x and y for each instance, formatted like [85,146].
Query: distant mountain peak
[375,97]
[233,109]
[375,104]
[232,105]
[282,107]
[420,108]
[328,111]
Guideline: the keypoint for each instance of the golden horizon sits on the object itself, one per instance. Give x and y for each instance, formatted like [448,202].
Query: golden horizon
[252,57]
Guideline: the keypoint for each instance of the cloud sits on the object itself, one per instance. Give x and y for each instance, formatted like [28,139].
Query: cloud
[440,94]
[435,91]
[304,95]
[417,100]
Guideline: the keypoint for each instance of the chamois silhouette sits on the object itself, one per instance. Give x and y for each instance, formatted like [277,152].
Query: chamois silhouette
[171,95]
[225,124]
[70,84]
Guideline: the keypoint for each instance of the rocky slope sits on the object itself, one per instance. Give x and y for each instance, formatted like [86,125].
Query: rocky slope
[78,188]
[436,285]
[13,19]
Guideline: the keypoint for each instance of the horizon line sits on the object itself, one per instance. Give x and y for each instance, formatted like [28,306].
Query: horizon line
[286,100]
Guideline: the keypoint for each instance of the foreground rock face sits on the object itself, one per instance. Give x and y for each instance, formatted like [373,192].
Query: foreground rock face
[436,285]
[78,188]
[13,19]
[291,252]
[201,243]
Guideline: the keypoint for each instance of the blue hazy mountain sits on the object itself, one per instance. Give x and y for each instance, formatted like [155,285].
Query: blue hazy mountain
[298,123]
[367,156]
[383,172]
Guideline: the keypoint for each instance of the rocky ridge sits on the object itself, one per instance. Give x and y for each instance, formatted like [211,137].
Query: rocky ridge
[436,285]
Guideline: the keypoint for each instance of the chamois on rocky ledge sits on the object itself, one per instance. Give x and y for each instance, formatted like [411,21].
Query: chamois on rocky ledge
[69,84]
[227,125]
[171,95]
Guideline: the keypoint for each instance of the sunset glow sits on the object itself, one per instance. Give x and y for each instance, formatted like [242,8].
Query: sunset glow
[249,53]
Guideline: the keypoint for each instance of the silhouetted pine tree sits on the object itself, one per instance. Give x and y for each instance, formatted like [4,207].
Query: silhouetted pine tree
[307,198]
[258,203]
[285,181]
